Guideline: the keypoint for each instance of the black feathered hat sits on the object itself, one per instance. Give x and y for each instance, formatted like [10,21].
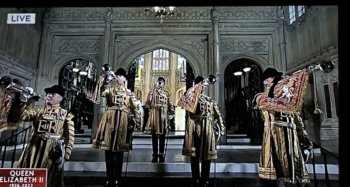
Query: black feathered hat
[161,79]
[55,89]
[271,72]
[198,79]
[120,71]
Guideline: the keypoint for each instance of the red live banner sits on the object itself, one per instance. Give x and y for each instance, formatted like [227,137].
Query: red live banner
[23,177]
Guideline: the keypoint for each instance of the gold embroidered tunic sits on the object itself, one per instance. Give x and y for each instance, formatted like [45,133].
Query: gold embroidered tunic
[51,124]
[200,137]
[159,104]
[40,146]
[112,132]
[281,155]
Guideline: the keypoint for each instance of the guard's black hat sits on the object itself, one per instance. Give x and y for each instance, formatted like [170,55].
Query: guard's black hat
[55,89]
[271,72]
[161,79]
[120,71]
[198,79]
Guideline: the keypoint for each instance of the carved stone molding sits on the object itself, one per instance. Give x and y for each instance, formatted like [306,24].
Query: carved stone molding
[248,13]
[165,25]
[249,25]
[198,45]
[124,44]
[244,46]
[77,14]
[77,46]
[214,16]
[76,26]
[181,13]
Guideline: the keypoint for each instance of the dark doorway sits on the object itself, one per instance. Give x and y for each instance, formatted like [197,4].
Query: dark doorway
[242,83]
[78,78]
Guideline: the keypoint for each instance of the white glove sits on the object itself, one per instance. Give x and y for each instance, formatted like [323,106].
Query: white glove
[308,154]
[30,90]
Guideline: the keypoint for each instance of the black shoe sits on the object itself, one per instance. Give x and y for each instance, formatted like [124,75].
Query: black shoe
[161,158]
[155,159]
[106,184]
[118,183]
[110,184]
[205,184]
[195,183]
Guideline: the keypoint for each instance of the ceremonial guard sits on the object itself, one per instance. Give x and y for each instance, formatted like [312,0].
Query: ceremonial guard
[52,138]
[203,129]
[285,144]
[159,106]
[115,128]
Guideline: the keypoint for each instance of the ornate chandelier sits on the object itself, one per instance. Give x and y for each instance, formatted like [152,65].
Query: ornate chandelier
[161,12]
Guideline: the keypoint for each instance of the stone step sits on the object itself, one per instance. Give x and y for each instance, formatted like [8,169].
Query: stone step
[169,168]
[183,180]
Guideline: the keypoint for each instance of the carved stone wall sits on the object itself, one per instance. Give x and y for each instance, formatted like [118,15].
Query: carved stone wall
[9,66]
[313,37]
[68,45]
[21,43]
[77,14]
[250,46]
[244,46]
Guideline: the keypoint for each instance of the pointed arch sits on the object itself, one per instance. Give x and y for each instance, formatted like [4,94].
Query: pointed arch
[194,58]
[60,63]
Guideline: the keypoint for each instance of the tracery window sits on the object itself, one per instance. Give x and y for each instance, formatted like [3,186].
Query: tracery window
[160,60]
[295,12]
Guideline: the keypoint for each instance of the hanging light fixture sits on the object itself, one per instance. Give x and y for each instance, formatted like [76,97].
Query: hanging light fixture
[247,69]
[161,12]
[237,73]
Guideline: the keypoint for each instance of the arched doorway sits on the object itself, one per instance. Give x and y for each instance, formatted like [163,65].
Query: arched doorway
[177,71]
[242,83]
[78,77]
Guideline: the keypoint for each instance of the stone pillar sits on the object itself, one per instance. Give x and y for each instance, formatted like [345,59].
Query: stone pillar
[107,38]
[216,63]
[282,39]
[147,81]
[216,51]
[43,64]
[100,109]
[172,83]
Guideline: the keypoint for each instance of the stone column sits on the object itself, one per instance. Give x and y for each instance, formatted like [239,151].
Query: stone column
[100,109]
[216,64]
[282,39]
[147,81]
[42,79]
[216,51]
[172,83]
[107,38]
